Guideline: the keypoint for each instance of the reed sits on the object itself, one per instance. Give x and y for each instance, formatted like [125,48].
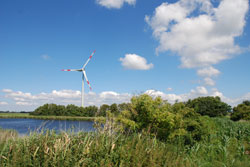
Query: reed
[109,147]
[5,135]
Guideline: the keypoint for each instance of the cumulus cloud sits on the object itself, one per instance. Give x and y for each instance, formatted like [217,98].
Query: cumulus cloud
[3,103]
[135,62]
[208,72]
[198,92]
[117,4]
[208,81]
[201,40]
[18,100]
[27,101]
[170,97]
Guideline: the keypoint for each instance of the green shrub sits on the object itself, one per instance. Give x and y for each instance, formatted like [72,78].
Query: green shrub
[242,111]
[168,122]
[210,106]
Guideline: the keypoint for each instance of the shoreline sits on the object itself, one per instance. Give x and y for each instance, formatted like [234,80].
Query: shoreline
[69,118]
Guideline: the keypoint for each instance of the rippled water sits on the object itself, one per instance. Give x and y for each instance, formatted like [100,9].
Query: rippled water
[25,126]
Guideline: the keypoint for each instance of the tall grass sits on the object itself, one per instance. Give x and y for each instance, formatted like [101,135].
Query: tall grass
[7,134]
[111,148]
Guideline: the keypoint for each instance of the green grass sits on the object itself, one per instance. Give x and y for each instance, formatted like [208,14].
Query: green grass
[27,115]
[226,147]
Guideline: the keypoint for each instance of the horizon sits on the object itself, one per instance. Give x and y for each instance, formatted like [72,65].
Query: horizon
[175,49]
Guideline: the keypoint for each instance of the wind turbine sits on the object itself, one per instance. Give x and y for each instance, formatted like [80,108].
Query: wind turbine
[84,76]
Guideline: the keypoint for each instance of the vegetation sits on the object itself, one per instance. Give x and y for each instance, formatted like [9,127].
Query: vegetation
[242,111]
[111,148]
[211,106]
[145,132]
[167,122]
[7,134]
[69,110]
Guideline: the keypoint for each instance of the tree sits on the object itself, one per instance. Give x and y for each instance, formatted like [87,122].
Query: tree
[211,106]
[246,102]
[90,111]
[114,109]
[69,110]
[242,111]
[103,109]
[72,110]
[124,106]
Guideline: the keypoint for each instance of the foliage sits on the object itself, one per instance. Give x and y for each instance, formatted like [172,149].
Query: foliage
[69,110]
[166,121]
[114,109]
[242,111]
[103,109]
[211,106]
[223,148]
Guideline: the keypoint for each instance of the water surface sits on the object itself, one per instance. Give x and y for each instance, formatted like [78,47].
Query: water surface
[25,126]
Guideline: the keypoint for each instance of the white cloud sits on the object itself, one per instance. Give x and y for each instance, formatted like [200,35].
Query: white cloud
[18,100]
[27,101]
[117,4]
[208,72]
[208,81]
[3,103]
[199,91]
[170,97]
[23,103]
[6,90]
[201,40]
[135,62]
[201,34]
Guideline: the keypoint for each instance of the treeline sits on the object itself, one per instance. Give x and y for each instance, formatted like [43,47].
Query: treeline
[73,110]
[15,112]
[210,106]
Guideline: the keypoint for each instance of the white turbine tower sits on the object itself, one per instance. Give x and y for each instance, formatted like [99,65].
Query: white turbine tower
[82,70]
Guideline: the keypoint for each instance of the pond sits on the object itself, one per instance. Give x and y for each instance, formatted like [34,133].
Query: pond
[25,126]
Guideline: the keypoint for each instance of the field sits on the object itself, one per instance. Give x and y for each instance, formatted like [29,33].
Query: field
[27,115]
[228,146]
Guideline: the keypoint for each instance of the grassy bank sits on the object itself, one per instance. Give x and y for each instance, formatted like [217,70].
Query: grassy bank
[27,115]
[226,147]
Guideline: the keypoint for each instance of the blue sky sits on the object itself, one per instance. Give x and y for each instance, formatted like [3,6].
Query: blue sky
[174,49]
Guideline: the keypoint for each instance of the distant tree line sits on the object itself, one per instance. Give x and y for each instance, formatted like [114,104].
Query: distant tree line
[16,111]
[204,106]
[73,110]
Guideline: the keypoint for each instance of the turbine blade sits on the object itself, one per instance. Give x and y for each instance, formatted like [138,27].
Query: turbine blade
[71,70]
[85,76]
[88,59]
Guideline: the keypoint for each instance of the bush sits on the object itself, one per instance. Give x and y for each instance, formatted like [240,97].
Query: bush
[242,111]
[210,106]
[166,121]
